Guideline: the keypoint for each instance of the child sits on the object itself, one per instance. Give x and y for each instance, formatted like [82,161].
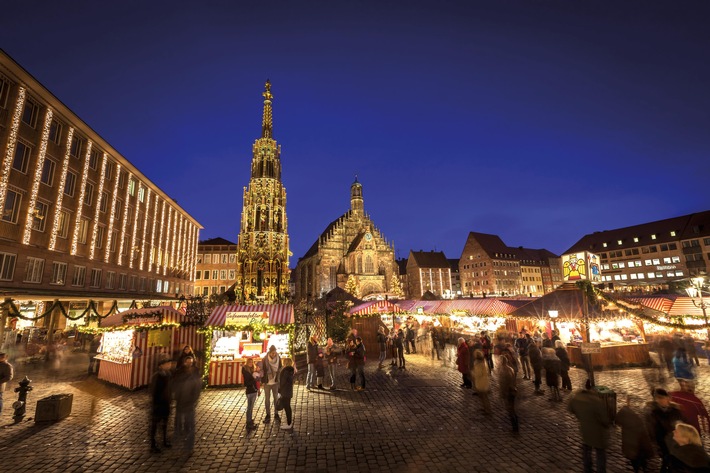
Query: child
[320,369]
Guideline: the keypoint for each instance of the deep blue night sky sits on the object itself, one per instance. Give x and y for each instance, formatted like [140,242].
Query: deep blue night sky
[536,121]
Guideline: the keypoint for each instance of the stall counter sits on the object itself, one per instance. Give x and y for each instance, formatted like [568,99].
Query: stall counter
[225,373]
[619,354]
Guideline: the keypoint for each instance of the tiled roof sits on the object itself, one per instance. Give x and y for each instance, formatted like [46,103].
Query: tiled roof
[216,241]
[685,227]
[491,244]
[314,247]
[430,259]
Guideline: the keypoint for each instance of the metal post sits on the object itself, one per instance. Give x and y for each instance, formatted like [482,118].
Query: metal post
[587,335]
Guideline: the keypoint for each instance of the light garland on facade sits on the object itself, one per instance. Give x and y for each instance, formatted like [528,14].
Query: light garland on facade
[99,196]
[11,143]
[112,215]
[135,226]
[60,191]
[173,243]
[151,256]
[37,177]
[159,256]
[145,229]
[124,222]
[181,243]
[82,192]
[168,234]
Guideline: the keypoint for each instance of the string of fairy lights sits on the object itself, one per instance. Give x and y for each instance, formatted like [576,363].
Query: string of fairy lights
[60,191]
[80,201]
[99,198]
[32,207]
[112,215]
[11,144]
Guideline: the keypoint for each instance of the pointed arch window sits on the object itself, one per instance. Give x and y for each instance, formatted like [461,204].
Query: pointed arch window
[369,265]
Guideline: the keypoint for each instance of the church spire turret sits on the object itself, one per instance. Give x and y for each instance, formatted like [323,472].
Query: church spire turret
[267,124]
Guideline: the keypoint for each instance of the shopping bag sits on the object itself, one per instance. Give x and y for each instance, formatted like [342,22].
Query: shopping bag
[279,404]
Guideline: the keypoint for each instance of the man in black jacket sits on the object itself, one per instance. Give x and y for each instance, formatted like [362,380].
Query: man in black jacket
[359,360]
[160,396]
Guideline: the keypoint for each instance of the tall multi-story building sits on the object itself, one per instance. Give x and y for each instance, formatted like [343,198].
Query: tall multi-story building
[79,221]
[351,253]
[649,256]
[428,271]
[490,267]
[262,256]
[216,266]
[455,278]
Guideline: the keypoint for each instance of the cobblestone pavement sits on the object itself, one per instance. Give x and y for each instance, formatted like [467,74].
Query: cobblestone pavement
[417,420]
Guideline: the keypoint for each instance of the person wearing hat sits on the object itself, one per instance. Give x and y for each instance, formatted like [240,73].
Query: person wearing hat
[661,417]
[160,403]
[6,375]
[271,366]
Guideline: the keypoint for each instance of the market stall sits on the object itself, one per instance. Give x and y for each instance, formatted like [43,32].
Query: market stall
[134,340]
[235,333]
[578,316]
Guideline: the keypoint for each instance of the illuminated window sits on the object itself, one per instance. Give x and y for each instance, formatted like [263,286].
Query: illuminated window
[223,274]
[63,228]
[39,217]
[679,273]
[198,275]
[675,259]
[59,273]
[100,230]
[141,194]
[224,258]
[122,278]
[12,207]
[208,258]
[604,244]
[83,230]
[215,274]
[110,279]
[232,274]
[619,242]
[636,239]
[672,232]
[233,258]
[653,237]
[132,187]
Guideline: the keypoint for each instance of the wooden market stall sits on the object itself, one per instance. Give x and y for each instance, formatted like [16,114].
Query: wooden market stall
[364,318]
[567,309]
[133,341]
[237,332]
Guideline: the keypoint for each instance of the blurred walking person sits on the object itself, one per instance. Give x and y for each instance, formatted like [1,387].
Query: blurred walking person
[160,396]
[311,355]
[359,359]
[635,442]
[661,417]
[562,354]
[552,372]
[686,452]
[7,372]
[594,422]
[187,389]
[331,356]
[536,362]
[508,391]
[481,380]
[462,361]
[399,345]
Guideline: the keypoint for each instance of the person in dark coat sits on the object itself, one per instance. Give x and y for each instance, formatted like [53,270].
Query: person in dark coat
[661,417]
[435,343]
[594,422]
[536,362]
[691,349]
[562,354]
[462,360]
[160,396]
[552,372]
[399,346]
[411,338]
[352,367]
[359,359]
[186,351]
[320,370]
[252,391]
[487,348]
[666,349]
[686,452]
[636,444]
[286,391]
[187,389]
[331,355]
[521,344]
[93,351]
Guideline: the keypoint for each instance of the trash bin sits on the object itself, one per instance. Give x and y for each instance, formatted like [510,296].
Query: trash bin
[55,407]
[609,398]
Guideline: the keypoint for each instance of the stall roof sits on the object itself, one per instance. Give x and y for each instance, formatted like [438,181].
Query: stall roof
[169,314]
[376,307]
[568,301]
[484,307]
[659,303]
[278,313]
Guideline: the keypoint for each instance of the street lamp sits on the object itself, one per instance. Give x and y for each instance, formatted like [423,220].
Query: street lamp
[696,290]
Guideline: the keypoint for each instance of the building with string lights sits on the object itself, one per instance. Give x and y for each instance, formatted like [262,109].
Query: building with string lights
[79,221]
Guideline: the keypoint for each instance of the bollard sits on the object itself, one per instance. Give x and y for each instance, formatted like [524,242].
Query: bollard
[20,405]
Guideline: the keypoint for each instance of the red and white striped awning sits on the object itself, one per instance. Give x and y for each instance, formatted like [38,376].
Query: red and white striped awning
[278,313]
[376,307]
[138,316]
[659,303]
